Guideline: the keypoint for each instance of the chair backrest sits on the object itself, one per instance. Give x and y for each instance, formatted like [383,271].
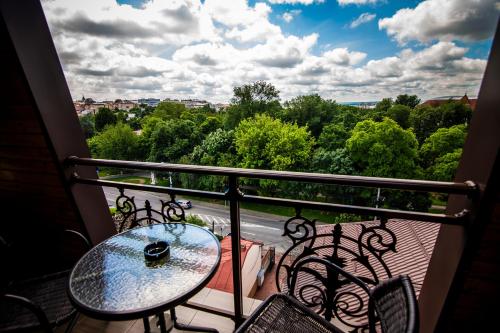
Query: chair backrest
[395,304]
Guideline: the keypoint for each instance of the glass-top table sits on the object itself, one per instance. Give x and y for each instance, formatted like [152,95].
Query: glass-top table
[113,281]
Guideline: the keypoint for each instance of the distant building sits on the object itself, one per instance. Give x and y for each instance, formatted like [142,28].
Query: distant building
[194,103]
[444,99]
[124,104]
[153,102]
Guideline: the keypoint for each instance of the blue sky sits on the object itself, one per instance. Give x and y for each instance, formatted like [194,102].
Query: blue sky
[201,49]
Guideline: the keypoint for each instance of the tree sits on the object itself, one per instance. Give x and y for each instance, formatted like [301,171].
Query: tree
[383,149]
[87,124]
[217,149]
[425,119]
[210,124]
[333,137]
[381,108]
[103,118]
[169,110]
[442,142]
[250,100]
[310,110]
[410,101]
[172,139]
[445,166]
[116,142]
[266,143]
[400,114]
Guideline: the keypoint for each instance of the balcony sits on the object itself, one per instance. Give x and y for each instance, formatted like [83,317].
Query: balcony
[43,185]
[390,242]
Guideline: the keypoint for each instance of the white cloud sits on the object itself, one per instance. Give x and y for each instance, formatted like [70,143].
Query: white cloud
[295,2]
[357,2]
[288,16]
[362,19]
[468,20]
[343,57]
[194,49]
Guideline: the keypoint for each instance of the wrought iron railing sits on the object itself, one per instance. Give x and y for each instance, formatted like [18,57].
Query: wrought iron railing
[367,249]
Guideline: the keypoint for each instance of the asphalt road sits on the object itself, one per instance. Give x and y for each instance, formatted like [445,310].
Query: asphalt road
[266,228]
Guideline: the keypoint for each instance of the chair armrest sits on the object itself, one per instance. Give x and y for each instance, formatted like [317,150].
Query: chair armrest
[37,311]
[80,236]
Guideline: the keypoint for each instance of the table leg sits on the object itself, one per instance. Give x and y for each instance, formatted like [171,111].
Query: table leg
[190,328]
[161,323]
[147,328]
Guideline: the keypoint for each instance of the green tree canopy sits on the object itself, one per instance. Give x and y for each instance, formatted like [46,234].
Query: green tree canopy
[116,142]
[217,149]
[400,114]
[410,101]
[103,118]
[169,110]
[172,139]
[442,142]
[425,119]
[310,110]
[383,149]
[333,137]
[266,143]
[251,99]
[445,166]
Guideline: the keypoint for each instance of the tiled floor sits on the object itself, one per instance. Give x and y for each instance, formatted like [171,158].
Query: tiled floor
[184,315]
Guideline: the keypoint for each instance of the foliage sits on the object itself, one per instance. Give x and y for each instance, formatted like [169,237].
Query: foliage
[333,137]
[103,118]
[400,114]
[171,139]
[310,110]
[169,110]
[442,142]
[196,220]
[116,142]
[445,166]
[210,124]
[250,100]
[381,108]
[425,119]
[383,149]
[87,124]
[266,143]
[410,101]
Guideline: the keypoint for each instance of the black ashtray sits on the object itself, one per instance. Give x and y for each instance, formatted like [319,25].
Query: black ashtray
[157,251]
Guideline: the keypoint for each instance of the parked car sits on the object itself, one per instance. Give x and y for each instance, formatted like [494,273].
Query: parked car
[184,203]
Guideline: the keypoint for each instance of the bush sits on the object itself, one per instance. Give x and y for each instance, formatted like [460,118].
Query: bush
[196,220]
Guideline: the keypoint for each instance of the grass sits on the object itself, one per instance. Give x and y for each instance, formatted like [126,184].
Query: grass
[133,180]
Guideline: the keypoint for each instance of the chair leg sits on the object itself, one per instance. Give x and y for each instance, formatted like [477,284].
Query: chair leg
[72,323]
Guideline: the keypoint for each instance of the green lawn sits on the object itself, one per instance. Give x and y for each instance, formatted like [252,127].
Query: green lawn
[133,180]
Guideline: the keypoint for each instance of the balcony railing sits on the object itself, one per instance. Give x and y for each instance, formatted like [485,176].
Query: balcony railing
[367,249]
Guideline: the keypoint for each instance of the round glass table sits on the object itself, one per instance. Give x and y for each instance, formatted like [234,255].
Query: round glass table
[113,281]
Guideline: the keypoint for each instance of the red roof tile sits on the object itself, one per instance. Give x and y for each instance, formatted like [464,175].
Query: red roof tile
[223,278]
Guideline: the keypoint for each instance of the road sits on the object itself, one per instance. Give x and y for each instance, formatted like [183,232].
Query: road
[266,228]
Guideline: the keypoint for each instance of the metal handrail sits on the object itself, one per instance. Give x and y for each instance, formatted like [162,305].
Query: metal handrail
[466,188]
[234,196]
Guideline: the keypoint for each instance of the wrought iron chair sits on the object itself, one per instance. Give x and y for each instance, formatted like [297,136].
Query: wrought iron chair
[35,303]
[392,302]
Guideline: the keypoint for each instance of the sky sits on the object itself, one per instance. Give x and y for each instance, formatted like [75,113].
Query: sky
[345,50]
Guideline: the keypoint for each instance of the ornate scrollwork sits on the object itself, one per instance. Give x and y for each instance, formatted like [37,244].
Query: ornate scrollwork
[360,252]
[129,216]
